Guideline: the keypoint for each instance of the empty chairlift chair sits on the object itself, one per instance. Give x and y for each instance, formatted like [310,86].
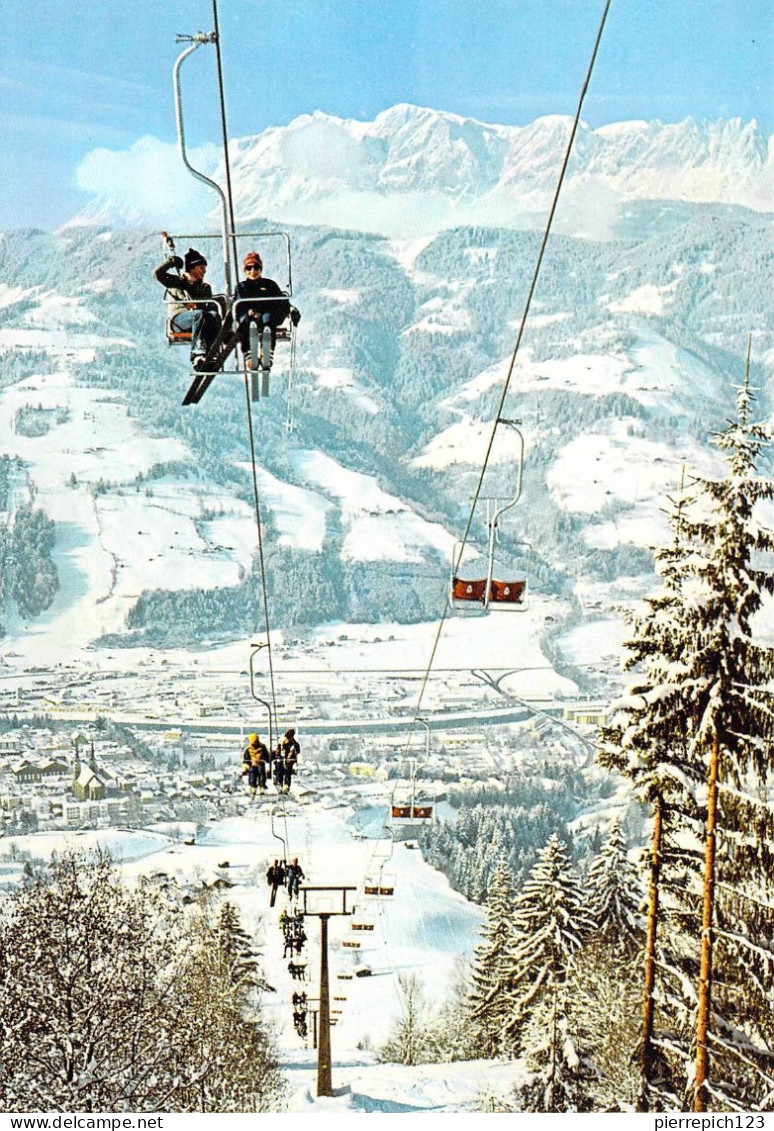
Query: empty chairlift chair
[488,593]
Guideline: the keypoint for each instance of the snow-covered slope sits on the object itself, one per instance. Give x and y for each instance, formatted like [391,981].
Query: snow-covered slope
[423,931]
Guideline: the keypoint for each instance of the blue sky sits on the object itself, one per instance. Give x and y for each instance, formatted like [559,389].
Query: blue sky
[82,75]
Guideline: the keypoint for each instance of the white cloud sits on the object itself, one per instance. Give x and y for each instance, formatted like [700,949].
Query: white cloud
[148,184]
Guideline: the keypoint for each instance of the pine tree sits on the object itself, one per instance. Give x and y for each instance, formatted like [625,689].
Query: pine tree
[648,739]
[694,737]
[605,998]
[236,949]
[220,1029]
[551,922]
[615,895]
[562,1077]
[735,722]
[489,1001]
[605,1018]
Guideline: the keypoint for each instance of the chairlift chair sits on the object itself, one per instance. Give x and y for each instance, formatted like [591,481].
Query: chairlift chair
[261,351]
[411,810]
[411,814]
[363,923]
[379,884]
[489,593]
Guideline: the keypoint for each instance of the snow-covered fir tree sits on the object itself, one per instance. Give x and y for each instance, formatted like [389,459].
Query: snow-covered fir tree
[648,739]
[221,1029]
[237,950]
[734,730]
[694,736]
[551,923]
[605,1004]
[114,1000]
[604,1009]
[562,1077]
[491,970]
[615,894]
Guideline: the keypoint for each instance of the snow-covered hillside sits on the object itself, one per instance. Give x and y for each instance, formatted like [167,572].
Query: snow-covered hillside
[415,170]
[626,367]
[424,930]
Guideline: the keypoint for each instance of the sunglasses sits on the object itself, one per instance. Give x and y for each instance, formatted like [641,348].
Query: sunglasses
[253,267]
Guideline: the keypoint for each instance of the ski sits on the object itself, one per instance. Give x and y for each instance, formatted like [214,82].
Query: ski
[212,364]
[255,390]
[265,360]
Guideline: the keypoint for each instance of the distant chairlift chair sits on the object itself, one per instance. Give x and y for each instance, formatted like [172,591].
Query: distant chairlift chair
[489,593]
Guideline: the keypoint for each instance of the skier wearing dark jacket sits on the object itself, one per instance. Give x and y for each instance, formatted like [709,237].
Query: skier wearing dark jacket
[286,758]
[275,877]
[261,300]
[190,311]
[295,875]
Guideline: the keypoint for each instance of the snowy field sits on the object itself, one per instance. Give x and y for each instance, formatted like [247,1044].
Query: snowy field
[152,533]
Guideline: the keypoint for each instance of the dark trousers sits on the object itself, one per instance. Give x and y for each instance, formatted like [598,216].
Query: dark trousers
[256,776]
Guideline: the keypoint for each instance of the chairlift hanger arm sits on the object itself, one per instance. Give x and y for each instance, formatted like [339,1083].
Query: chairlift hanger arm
[256,649]
[514,426]
[196,42]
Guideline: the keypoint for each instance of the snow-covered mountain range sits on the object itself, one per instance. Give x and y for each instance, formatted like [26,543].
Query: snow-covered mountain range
[415,170]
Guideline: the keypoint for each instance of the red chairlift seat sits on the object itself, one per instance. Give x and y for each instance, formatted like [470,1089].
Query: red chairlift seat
[503,594]
[412,812]
[507,592]
[463,590]
[384,886]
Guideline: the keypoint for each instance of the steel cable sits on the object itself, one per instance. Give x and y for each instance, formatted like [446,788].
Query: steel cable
[506,386]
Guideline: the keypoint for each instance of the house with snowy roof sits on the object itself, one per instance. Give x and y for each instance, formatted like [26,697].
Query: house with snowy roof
[27,772]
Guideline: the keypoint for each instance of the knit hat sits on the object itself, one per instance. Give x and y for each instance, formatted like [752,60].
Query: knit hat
[253,259]
[194,258]
[253,739]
